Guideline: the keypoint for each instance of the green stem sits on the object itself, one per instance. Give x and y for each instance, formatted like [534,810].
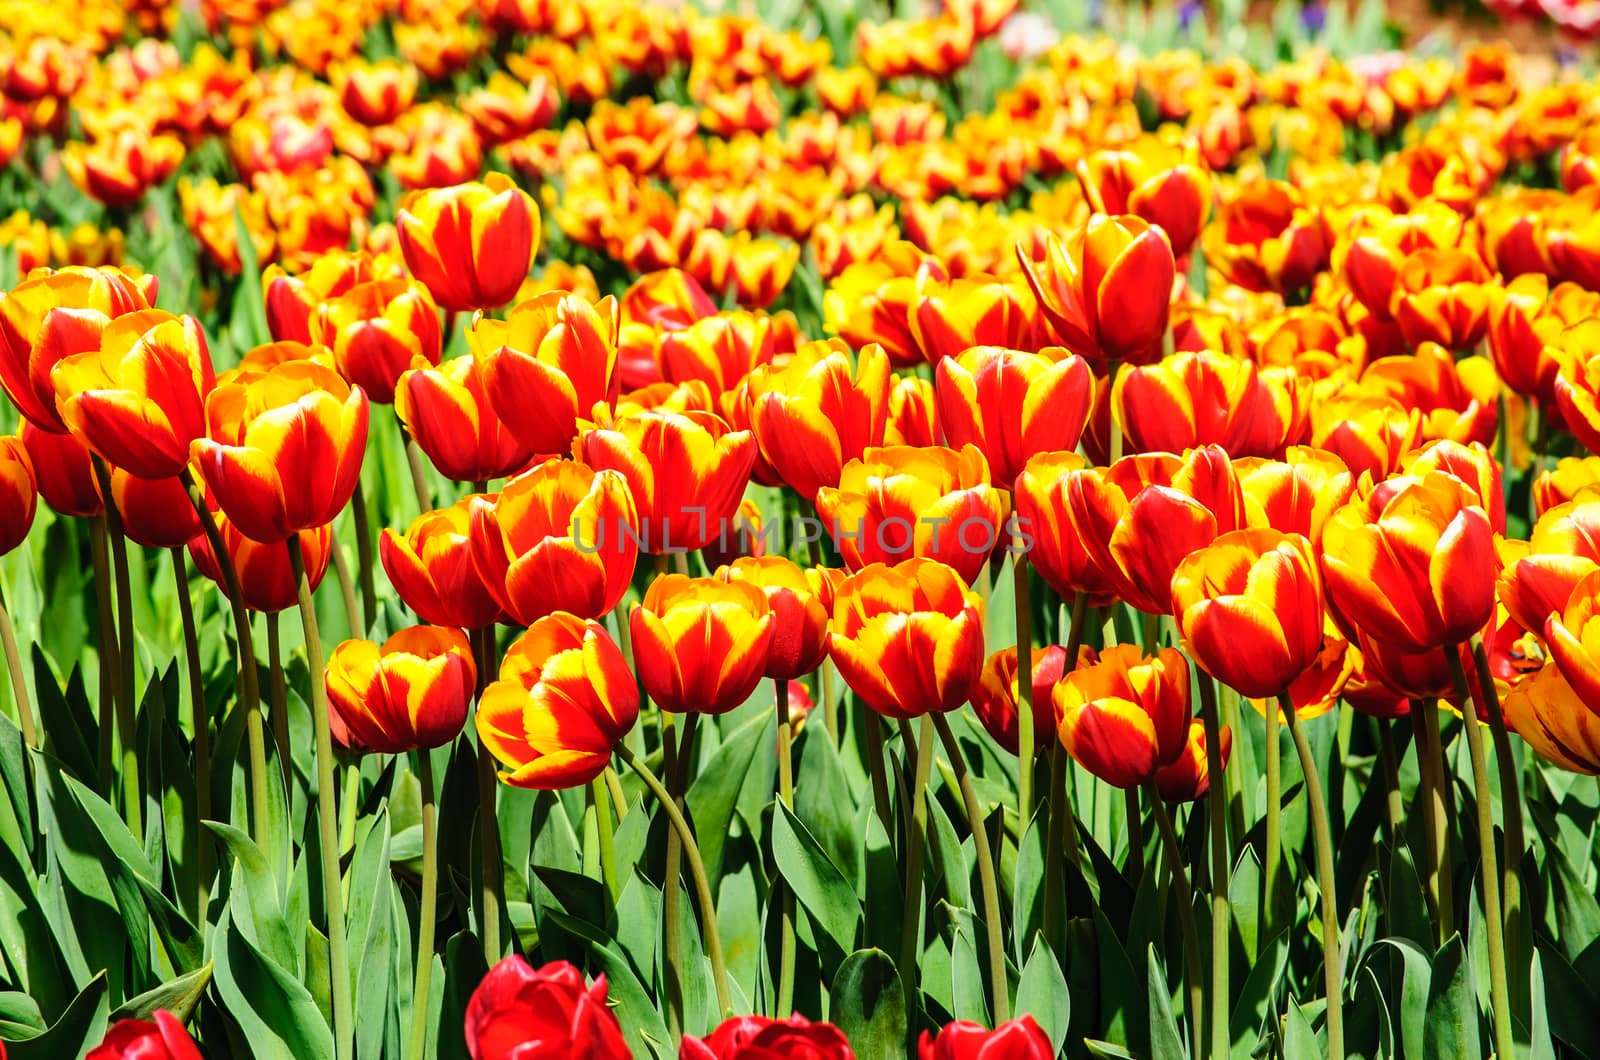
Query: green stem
[600,799]
[492,867]
[249,680]
[427,903]
[1061,845]
[1273,855]
[697,870]
[1440,882]
[419,471]
[1494,924]
[873,730]
[999,986]
[1134,869]
[99,557]
[786,941]
[1185,900]
[200,722]
[1332,973]
[830,707]
[619,801]
[347,589]
[675,759]
[364,565]
[1511,808]
[132,796]
[327,818]
[348,807]
[19,680]
[1391,779]
[1217,822]
[278,699]
[916,831]
[1025,734]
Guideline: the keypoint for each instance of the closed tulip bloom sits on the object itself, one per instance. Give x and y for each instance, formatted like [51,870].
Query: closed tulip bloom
[950,315]
[266,580]
[374,93]
[447,412]
[1012,405]
[139,400]
[1573,639]
[701,645]
[19,493]
[1167,184]
[1577,385]
[1053,547]
[377,330]
[911,413]
[801,602]
[1249,609]
[521,1013]
[1371,258]
[995,698]
[1546,712]
[564,700]
[409,694]
[1297,494]
[1127,716]
[1368,433]
[559,537]
[432,571]
[720,350]
[160,1038]
[1106,289]
[556,353]
[285,448]
[687,472]
[1566,481]
[51,315]
[1453,399]
[292,299]
[1442,296]
[1268,238]
[64,472]
[471,244]
[1411,564]
[155,512]
[1526,318]
[763,1038]
[1194,399]
[1018,1039]
[819,412]
[1538,575]
[899,501]
[1187,778]
[908,639]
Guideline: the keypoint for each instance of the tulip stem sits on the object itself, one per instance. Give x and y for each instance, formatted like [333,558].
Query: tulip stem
[618,799]
[492,864]
[697,870]
[1430,763]
[1494,924]
[279,699]
[349,807]
[1185,901]
[830,708]
[672,758]
[1322,833]
[600,799]
[873,730]
[1061,845]
[1217,827]
[427,901]
[132,796]
[999,985]
[19,680]
[364,566]
[249,681]
[1510,807]
[786,942]
[1025,735]
[1134,870]
[916,830]
[327,816]
[1391,779]
[419,473]
[109,650]
[1272,856]
[200,722]
[347,589]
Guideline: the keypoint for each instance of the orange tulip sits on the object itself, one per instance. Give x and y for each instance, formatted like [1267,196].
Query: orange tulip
[62,466]
[1013,405]
[1106,289]
[1411,563]
[1268,238]
[1454,399]
[908,639]
[1539,574]
[559,537]
[432,570]
[1368,433]
[471,244]
[556,353]
[911,413]
[1295,495]
[1526,318]
[719,350]
[1578,381]
[800,600]
[1166,184]
[1566,481]
[1381,241]
[995,698]
[1573,638]
[564,700]
[292,299]
[118,167]
[948,315]
[1442,296]
[898,502]
[377,330]
[687,472]
[285,448]
[819,412]
[155,512]
[1194,399]
[374,93]
[1127,716]
[446,411]
[266,581]
[1547,712]
[1249,609]
[19,493]
[1045,527]
[139,400]
[1187,778]
[411,694]
[1471,465]
[701,645]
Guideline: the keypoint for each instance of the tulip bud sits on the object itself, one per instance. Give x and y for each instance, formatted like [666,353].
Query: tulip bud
[411,694]
[701,645]
[1127,716]
[518,1012]
[471,245]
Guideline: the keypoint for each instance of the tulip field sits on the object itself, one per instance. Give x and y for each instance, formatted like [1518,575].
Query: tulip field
[939,529]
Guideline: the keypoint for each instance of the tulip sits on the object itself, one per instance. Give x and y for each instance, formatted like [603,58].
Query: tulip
[762,1038]
[1369,434]
[374,93]
[139,400]
[561,536]
[1578,382]
[1566,481]
[1194,399]
[66,476]
[911,413]
[1168,185]
[687,472]
[377,330]
[432,569]
[117,168]
[951,315]
[1442,296]
[897,502]
[1573,638]
[1249,609]
[701,645]
[1013,405]
[908,639]
[446,411]
[1187,778]
[556,353]
[1295,495]
[155,512]
[285,448]
[1441,391]
[1045,528]
[518,1012]
[1381,242]
[410,694]
[1127,716]
[1268,238]
[266,582]
[1526,319]
[19,493]
[564,699]
[1539,574]
[1106,290]
[1546,712]
[995,698]
[800,601]
[160,1038]
[721,350]
[470,245]
[1018,1039]
[291,300]
[1411,563]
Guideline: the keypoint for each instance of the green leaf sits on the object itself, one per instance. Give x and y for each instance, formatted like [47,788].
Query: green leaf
[275,1012]
[257,907]
[1253,1005]
[1452,1031]
[371,932]
[1542,1047]
[1042,993]
[1298,1037]
[869,1006]
[824,803]
[178,996]
[1165,1041]
[1415,986]
[818,884]
[715,791]
[79,1029]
